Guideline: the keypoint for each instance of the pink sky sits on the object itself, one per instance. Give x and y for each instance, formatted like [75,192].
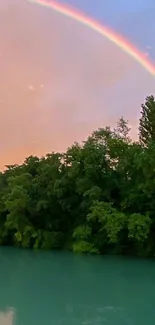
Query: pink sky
[81,82]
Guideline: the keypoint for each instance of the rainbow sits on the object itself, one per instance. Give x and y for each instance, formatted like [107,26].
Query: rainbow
[117,39]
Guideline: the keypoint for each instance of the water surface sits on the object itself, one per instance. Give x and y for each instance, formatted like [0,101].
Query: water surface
[60,288]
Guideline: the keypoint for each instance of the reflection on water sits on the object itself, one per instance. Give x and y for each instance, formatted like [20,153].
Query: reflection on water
[82,314]
[7,318]
[91,315]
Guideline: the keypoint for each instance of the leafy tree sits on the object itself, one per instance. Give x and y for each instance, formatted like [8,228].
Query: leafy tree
[122,130]
[107,220]
[97,197]
[139,227]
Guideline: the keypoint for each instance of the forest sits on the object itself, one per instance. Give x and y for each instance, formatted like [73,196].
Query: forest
[98,197]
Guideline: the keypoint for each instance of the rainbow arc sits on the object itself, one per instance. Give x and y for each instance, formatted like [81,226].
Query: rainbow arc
[117,39]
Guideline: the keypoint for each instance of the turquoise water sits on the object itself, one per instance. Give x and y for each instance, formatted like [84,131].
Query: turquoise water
[46,288]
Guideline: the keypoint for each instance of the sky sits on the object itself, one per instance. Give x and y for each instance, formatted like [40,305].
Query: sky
[59,80]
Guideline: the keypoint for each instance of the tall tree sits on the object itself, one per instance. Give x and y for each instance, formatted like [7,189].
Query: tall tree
[147,122]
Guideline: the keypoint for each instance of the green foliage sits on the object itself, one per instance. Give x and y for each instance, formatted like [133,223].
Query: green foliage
[82,232]
[82,240]
[51,240]
[110,221]
[139,227]
[147,122]
[83,246]
[38,239]
[98,196]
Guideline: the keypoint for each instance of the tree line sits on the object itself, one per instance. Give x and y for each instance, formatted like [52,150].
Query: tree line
[97,197]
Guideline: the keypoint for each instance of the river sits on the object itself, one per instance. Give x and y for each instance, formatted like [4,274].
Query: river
[60,288]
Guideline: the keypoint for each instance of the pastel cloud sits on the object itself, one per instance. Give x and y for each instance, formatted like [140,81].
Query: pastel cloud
[59,81]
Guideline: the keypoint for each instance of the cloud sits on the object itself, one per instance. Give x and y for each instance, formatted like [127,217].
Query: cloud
[58,81]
